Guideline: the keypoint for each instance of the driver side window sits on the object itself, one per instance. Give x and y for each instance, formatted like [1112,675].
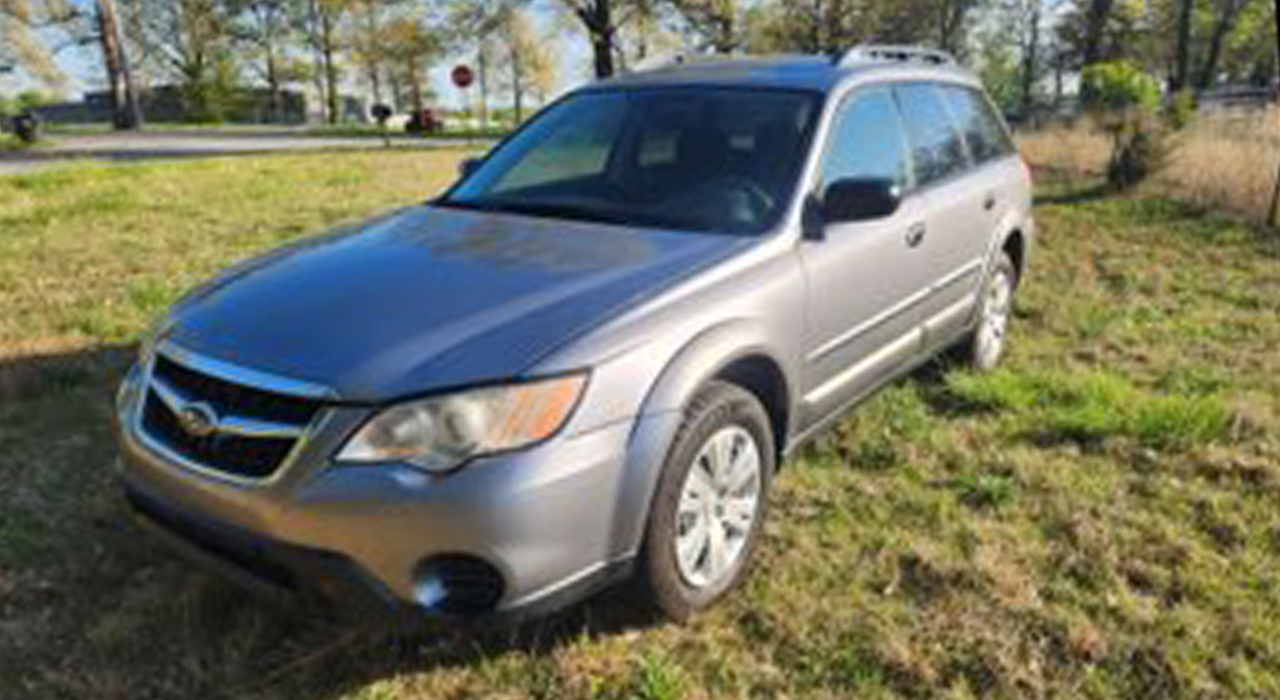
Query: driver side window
[867,141]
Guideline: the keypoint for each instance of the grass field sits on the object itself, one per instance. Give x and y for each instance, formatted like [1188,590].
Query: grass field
[1100,519]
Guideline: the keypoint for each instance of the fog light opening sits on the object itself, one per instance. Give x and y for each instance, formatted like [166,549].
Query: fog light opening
[457,585]
[430,592]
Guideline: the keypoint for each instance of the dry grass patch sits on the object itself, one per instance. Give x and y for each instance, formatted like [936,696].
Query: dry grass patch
[1226,160]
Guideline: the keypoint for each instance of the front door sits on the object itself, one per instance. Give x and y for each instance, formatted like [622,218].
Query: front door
[866,279]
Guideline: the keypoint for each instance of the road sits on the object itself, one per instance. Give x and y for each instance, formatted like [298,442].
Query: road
[128,147]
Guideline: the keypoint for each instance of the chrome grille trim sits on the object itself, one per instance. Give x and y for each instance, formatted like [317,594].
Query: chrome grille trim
[244,376]
[244,427]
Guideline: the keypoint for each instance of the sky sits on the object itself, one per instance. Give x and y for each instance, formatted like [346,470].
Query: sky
[83,66]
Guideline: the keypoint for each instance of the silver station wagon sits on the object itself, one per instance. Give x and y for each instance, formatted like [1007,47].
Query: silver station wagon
[585,361]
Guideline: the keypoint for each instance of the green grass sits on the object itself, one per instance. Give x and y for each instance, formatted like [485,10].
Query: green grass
[1098,519]
[9,142]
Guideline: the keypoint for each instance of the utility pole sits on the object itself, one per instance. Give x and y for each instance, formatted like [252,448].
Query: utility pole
[124,98]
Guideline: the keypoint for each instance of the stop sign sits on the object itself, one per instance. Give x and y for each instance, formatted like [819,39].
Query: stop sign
[462,76]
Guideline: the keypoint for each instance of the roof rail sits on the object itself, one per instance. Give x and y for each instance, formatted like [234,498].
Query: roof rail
[888,52]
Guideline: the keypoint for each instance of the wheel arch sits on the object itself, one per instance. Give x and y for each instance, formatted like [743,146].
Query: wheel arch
[738,350]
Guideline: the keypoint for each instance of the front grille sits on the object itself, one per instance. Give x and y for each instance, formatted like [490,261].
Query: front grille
[234,399]
[240,455]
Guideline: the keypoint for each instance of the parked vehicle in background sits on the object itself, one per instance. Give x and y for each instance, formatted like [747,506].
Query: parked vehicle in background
[25,126]
[424,121]
[587,359]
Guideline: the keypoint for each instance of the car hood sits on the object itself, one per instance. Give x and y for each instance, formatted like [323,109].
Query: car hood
[431,297]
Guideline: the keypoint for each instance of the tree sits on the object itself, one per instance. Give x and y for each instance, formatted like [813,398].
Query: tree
[126,112]
[367,39]
[716,23]
[192,41]
[603,21]
[1095,25]
[527,66]
[266,29]
[1226,13]
[324,19]
[21,47]
[597,17]
[1090,33]
[812,26]
[409,47]
[473,25]
[1181,75]
[952,19]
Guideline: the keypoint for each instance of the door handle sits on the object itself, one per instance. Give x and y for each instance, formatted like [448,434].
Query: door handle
[989,202]
[915,234]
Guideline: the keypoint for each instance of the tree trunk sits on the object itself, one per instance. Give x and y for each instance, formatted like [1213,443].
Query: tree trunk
[1095,30]
[951,19]
[599,23]
[602,54]
[273,86]
[126,115]
[1222,27]
[482,68]
[1030,59]
[317,58]
[373,69]
[330,67]
[517,82]
[415,84]
[1274,215]
[1182,50]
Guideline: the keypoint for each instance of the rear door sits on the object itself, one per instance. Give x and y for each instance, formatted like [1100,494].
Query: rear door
[997,170]
[866,279]
[953,245]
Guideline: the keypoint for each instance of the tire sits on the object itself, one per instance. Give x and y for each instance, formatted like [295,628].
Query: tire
[983,349]
[702,500]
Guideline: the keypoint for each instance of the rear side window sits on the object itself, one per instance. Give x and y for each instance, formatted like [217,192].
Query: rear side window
[867,141]
[982,129]
[936,147]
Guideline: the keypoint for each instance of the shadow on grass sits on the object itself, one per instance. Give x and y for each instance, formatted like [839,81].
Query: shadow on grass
[1071,192]
[92,606]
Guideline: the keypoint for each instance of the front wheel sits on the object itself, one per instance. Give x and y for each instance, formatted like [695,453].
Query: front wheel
[984,348]
[710,502]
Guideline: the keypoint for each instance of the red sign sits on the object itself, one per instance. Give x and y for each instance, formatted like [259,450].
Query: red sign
[462,76]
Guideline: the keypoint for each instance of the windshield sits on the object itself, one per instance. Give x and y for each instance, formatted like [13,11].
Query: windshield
[700,159]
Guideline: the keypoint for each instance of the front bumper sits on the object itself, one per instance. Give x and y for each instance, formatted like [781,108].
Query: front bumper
[545,521]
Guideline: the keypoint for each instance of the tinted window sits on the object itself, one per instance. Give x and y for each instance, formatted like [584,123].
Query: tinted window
[867,141]
[936,147]
[703,159]
[983,132]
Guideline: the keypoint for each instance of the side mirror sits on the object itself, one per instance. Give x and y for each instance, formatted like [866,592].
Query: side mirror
[860,199]
[468,166]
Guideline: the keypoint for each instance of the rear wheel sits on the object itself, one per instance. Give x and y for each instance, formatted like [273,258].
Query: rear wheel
[985,347]
[710,502]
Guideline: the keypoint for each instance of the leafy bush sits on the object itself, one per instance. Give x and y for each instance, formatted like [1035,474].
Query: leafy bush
[1125,101]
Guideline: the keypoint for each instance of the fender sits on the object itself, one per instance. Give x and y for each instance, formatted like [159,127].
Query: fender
[660,415]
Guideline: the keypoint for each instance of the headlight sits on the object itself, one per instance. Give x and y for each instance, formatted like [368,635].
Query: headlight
[440,433]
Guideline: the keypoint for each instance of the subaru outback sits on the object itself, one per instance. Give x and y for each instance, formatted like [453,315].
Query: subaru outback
[585,361]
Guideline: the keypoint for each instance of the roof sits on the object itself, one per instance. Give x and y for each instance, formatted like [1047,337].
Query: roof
[819,73]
